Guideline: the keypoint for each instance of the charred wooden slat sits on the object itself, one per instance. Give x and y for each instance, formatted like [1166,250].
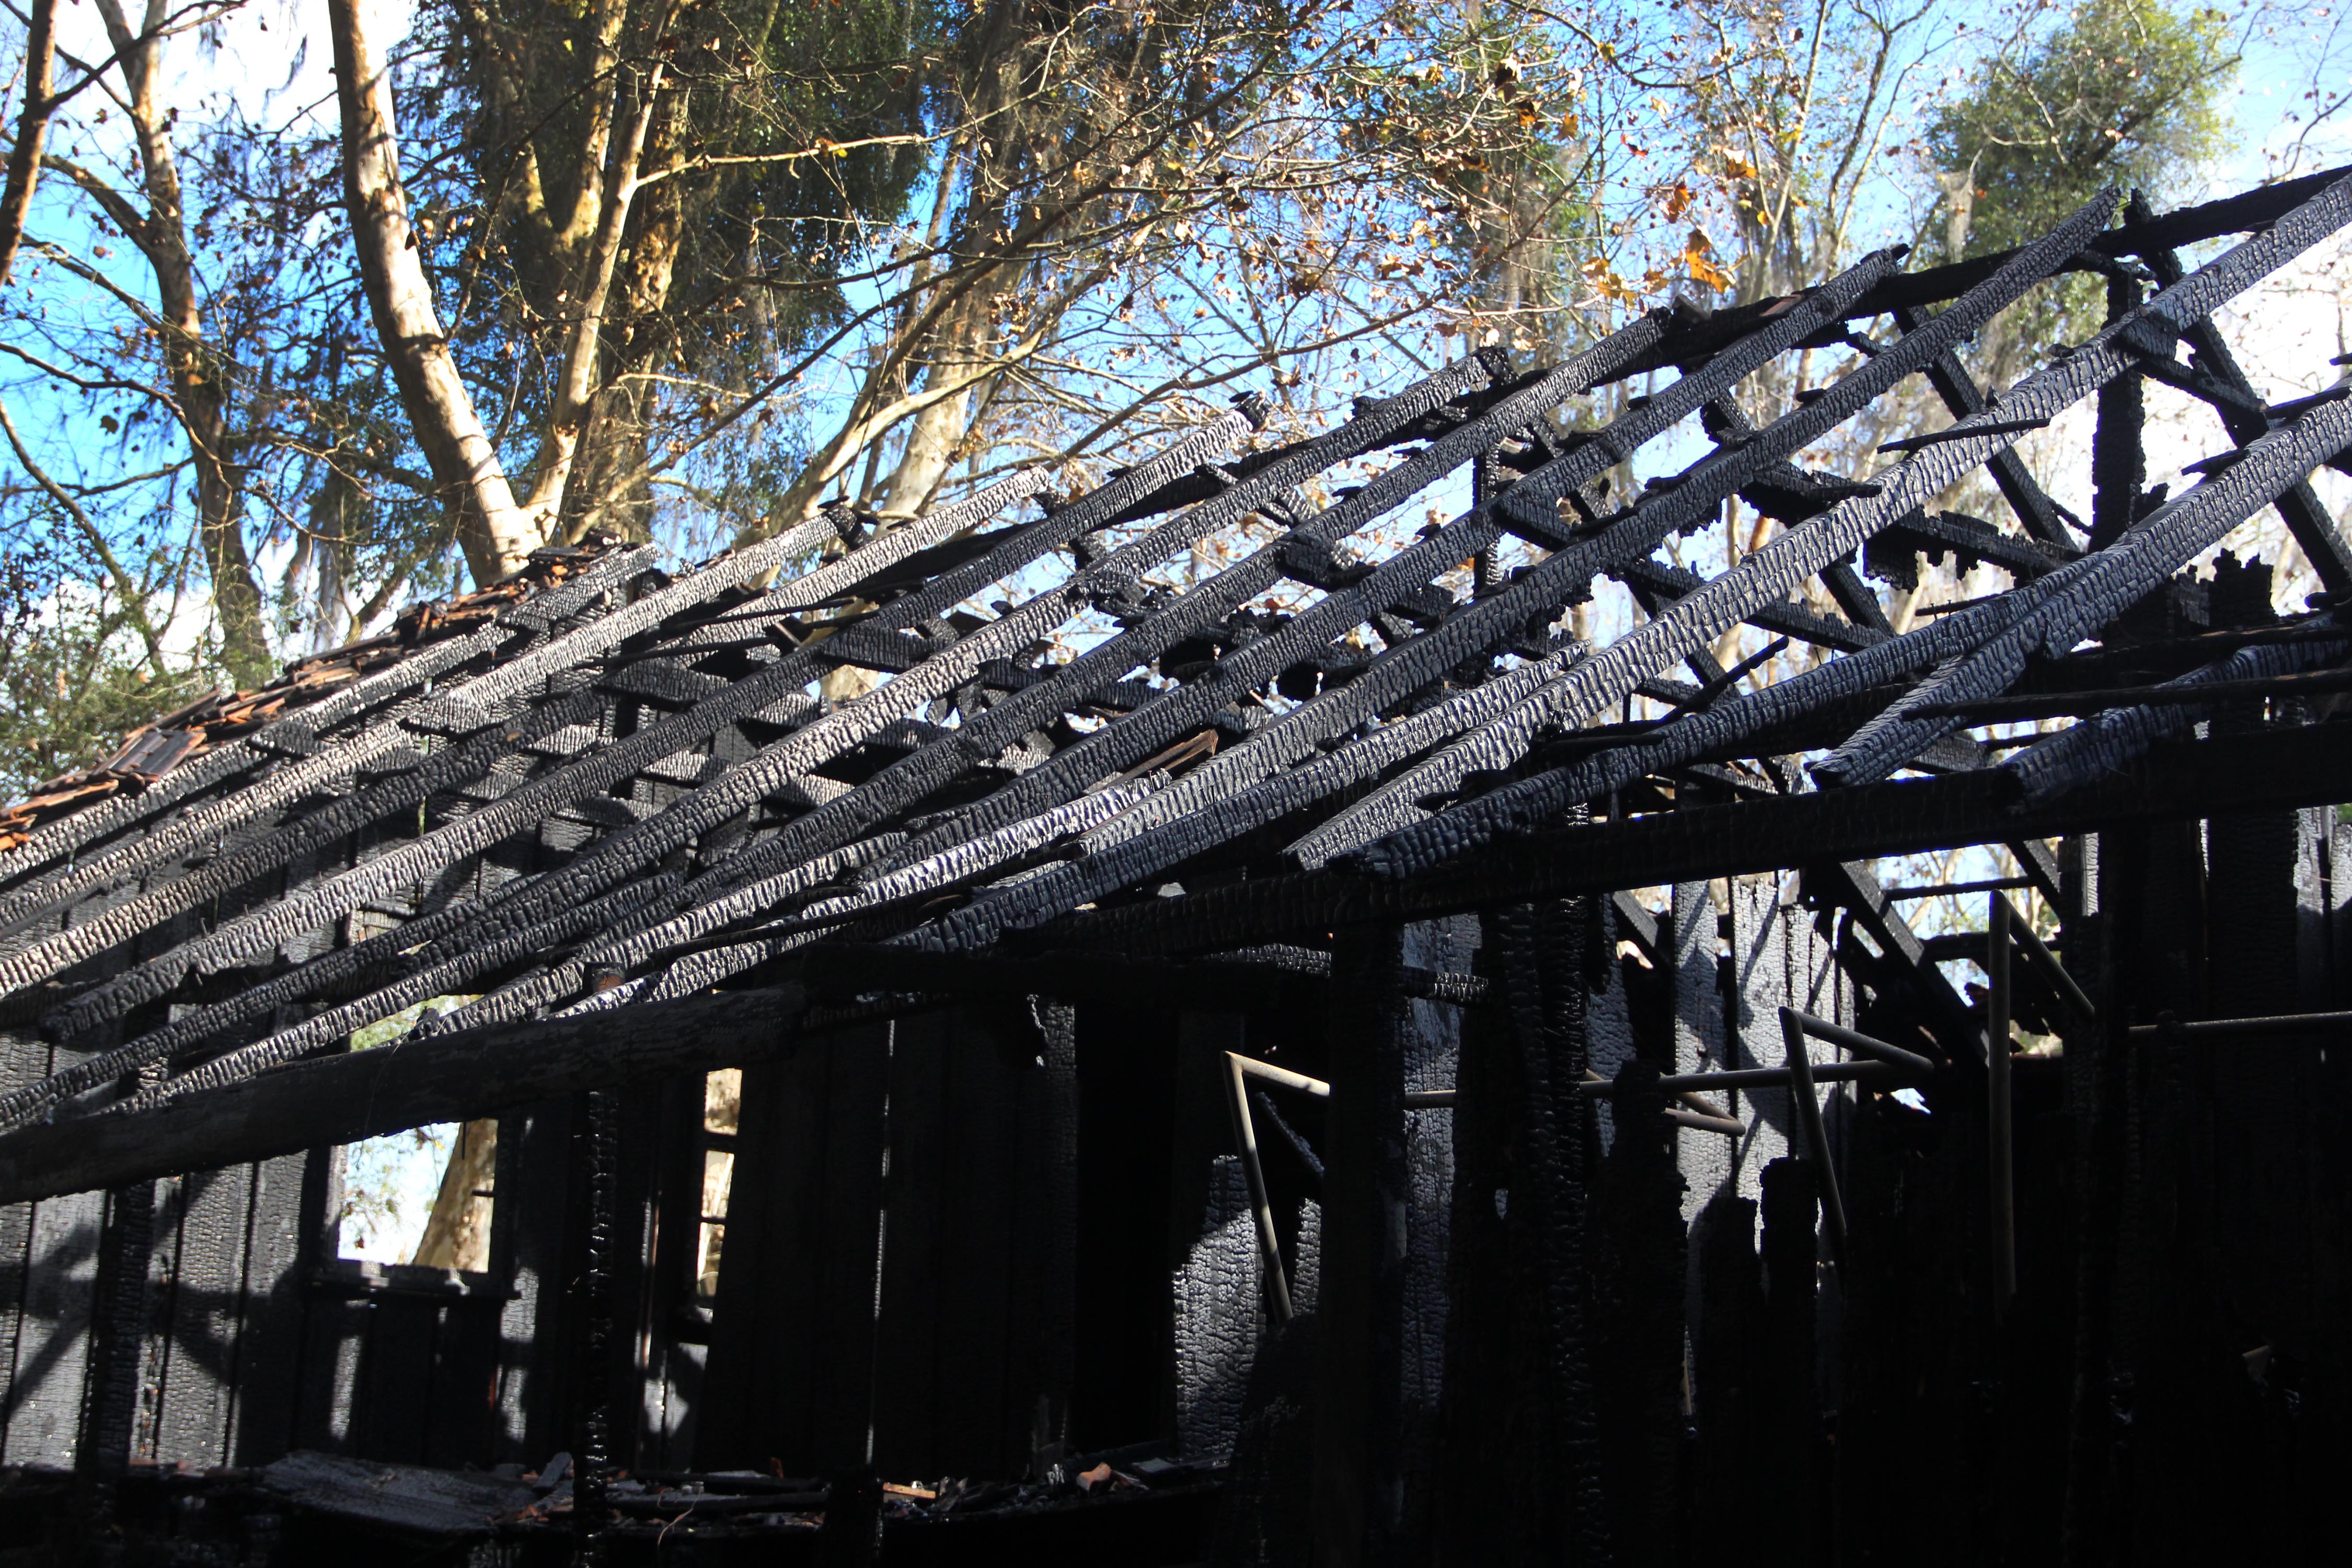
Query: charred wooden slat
[2279,768]
[2213,369]
[1797,554]
[2251,212]
[2043,519]
[2098,587]
[455,1077]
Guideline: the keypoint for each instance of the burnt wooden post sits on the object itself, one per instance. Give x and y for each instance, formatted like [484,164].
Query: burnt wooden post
[600,1153]
[1724,1342]
[2153,886]
[121,1326]
[1639,1285]
[1045,1236]
[2096,1064]
[1479,1470]
[2000,1141]
[1358,1500]
[1201,1396]
[1792,1423]
[2118,457]
[1541,952]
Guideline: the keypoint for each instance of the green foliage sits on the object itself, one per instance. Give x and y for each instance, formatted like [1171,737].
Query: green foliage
[2122,90]
[2125,92]
[71,686]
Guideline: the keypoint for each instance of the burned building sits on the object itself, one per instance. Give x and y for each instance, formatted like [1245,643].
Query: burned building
[1207,1089]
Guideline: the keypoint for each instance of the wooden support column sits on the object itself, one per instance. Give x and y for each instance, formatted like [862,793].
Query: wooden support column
[121,1324]
[1999,1139]
[1358,1494]
[2118,459]
[1046,1237]
[600,1153]
[1789,1460]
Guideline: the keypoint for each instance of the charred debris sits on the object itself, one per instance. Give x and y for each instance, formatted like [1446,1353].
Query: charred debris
[1206,1091]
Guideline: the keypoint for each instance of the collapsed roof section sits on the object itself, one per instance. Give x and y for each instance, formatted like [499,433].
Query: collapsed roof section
[1089,729]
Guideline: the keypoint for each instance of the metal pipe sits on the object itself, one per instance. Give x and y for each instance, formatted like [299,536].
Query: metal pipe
[1767,1078]
[1809,1111]
[2272,1024]
[1283,1076]
[1999,1139]
[1277,1284]
[1945,890]
[1854,1040]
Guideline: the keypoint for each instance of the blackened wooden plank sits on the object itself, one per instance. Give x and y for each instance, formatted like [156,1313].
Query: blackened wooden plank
[977,1217]
[2179,779]
[528,1228]
[841,1380]
[763,1323]
[741,1333]
[431,1501]
[1791,1428]
[198,1388]
[267,1364]
[330,1413]
[1044,1236]
[1725,1341]
[24,1058]
[1200,1135]
[1359,1316]
[1639,1284]
[45,1395]
[348,1098]
[647,1308]
[907,1368]
[396,1389]
[459,1423]
[118,1329]
[1493,1466]
[1126,1058]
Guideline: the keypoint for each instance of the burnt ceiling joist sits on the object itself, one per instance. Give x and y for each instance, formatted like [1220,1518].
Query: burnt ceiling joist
[1235,694]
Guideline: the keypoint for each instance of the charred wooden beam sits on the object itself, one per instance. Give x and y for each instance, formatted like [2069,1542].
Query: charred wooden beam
[460,1076]
[2214,374]
[1360,1311]
[2248,213]
[2187,779]
[2042,518]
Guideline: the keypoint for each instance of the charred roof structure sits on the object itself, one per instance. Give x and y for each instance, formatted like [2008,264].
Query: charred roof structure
[1207,1092]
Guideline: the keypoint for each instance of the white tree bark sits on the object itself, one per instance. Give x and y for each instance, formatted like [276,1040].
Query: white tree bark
[496,534]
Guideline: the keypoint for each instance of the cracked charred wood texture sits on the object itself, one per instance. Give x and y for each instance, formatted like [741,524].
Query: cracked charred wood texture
[1639,1279]
[1495,1427]
[598,1327]
[122,1331]
[1792,1460]
[963,1241]
[1541,952]
[2118,456]
[1359,1487]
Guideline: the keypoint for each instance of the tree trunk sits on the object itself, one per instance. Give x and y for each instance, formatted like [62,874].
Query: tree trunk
[457,1231]
[195,375]
[496,535]
[24,157]
[609,487]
